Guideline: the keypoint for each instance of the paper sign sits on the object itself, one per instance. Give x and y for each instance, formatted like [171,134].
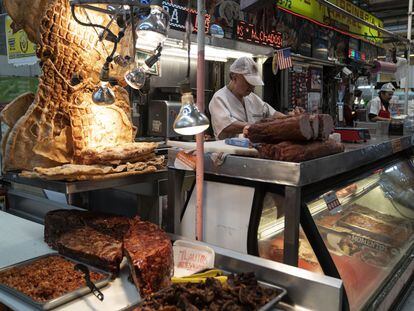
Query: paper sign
[190,258]
[396,145]
[332,202]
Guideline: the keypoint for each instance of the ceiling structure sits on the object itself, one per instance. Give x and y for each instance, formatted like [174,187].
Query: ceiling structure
[394,13]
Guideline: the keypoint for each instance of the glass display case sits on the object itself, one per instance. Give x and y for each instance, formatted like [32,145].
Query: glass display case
[367,225]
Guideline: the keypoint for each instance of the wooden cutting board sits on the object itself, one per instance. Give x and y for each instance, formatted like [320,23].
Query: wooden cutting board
[215,146]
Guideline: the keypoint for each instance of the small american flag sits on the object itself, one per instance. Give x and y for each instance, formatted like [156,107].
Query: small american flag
[283,58]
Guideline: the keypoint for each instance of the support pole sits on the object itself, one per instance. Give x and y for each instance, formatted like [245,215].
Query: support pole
[200,104]
[408,80]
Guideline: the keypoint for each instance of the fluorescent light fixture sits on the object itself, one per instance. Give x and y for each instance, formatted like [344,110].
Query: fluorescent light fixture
[212,53]
[365,87]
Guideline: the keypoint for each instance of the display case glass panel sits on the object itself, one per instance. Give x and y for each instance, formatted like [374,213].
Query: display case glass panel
[367,225]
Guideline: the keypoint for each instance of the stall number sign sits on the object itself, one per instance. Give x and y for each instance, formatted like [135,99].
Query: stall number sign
[332,202]
[248,33]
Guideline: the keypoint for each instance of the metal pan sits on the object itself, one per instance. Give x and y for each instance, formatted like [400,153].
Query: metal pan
[62,299]
[390,238]
[270,305]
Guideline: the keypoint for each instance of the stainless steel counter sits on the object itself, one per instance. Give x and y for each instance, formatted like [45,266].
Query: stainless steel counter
[292,176]
[84,186]
[21,240]
[301,174]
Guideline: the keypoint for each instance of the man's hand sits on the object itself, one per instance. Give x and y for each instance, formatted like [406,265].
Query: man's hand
[246,130]
[297,111]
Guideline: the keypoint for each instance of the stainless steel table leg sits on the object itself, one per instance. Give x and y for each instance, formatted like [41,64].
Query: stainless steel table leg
[171,217]
[292,218]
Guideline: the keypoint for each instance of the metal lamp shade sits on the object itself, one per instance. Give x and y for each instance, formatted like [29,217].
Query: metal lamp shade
[136,78]
[153,29]
[190,121]
[103,95]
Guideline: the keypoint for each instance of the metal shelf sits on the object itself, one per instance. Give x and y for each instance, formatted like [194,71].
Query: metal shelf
[84,186]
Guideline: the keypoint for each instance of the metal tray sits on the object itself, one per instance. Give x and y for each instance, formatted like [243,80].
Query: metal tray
[60,300]
[275,300]
[391,238]
[269,306]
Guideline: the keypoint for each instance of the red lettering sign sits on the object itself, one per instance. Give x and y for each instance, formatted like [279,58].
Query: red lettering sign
[247,32]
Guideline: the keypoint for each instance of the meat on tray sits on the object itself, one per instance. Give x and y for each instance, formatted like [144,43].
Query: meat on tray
[296,152]
[102,240]
[150,256]
[326,126]
[241,292]
[370,224]
[280,129]
[92,247]
[46,278]
[58,222]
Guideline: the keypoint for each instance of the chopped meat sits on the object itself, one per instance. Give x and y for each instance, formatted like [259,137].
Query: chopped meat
[46,278]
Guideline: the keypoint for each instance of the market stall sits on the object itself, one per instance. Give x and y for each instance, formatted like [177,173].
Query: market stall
[302,195]
[303,288]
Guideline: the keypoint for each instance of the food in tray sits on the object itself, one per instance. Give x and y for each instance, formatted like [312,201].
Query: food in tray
[150,256]
[46,278]
[376,257]
[344,192]
[101,240]
[307,258]
[58,222]
[240,292]
[299,152]
[371,226]
[90,246]
[368,223]
[294,138]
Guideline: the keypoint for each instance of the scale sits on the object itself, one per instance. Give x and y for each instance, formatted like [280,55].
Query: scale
[353,134]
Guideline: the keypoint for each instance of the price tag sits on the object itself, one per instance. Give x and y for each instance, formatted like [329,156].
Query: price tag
[396,145]
[332,202]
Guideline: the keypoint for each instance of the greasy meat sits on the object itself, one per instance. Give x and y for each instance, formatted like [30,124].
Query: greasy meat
[59,222]
[150,256]
[299,152]
[369,224]
[241,292]
[46,278]
[280,129]
[101,240]
[92,247]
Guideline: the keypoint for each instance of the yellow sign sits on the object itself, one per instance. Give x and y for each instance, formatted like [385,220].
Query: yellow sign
[20,51]
[320,13]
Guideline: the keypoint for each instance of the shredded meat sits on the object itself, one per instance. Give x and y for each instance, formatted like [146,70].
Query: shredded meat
[46,278]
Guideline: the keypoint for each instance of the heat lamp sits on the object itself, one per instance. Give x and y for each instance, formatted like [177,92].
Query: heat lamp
[150,31]
[137,76]
[190,121]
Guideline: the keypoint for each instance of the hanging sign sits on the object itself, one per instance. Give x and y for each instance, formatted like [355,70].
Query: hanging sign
[320,13]
[248,33]
[178,17]
[20,51]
